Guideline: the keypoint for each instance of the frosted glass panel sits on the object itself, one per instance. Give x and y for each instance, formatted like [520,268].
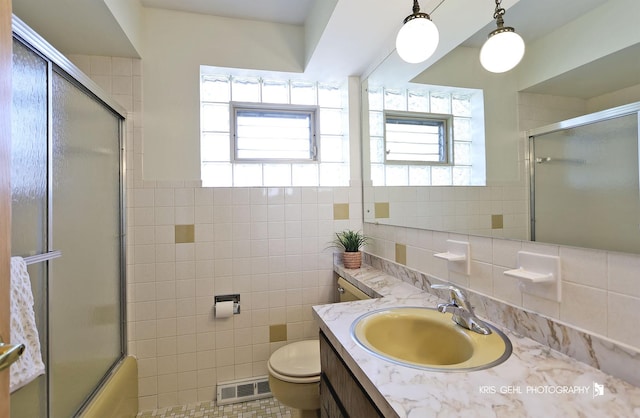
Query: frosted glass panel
[440,103]
[245,89]
[217,174]
[303,93]
[441,176]
[29,152]
[84,286]
[29,200]
[461,105]
[331,121]
[215,117]
[329,96]
[304,175]
[376,99]
[216,88]
[419,175]
[418,101]
[275,91]
[246,175]
[277,174]
[334,175]
[215,147]
[331,149]
[586,186]
[395,99]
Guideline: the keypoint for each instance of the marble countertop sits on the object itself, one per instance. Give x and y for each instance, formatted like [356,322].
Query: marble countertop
[535,381]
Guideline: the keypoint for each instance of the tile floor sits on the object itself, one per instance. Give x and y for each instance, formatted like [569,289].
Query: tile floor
[262,408]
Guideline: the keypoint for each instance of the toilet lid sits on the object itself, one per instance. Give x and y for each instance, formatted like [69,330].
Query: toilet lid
[299,359]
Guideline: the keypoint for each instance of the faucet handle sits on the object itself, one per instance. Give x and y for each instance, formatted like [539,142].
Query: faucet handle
[444,286]
[461,310]
[456,295]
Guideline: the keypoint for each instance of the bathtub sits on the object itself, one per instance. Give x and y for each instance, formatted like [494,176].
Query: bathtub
[118,397]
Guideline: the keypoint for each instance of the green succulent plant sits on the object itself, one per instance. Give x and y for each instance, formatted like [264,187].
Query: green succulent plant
[349,241]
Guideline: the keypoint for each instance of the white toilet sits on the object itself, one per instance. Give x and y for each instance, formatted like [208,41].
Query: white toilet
[294,377]
[294,369]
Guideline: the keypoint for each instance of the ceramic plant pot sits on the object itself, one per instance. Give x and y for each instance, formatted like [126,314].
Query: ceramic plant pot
[352,259]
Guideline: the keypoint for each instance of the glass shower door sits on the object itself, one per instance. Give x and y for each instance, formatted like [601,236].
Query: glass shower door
[29,201]
[67,199]
[586,187]
[85,291]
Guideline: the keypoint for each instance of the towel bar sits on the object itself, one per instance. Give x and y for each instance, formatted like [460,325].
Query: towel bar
[42,257]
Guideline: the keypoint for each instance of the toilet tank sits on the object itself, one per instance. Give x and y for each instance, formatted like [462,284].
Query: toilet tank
[348,292]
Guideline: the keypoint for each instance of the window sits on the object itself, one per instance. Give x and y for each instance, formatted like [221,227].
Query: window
[268,129]
[416,138]
[422,135]
[273,133]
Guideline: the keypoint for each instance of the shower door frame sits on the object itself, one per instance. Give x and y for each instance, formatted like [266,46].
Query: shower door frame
[601,116]
[6,43]
[58,63]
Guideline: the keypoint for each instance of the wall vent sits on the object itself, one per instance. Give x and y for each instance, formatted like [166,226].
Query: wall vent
[243,390]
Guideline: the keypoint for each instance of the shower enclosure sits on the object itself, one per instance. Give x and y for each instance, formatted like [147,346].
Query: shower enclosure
[67,221]
[585,181]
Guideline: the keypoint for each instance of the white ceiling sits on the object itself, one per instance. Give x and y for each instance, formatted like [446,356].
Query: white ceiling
[293,12]
[357,36]
[354,51]
[532,18]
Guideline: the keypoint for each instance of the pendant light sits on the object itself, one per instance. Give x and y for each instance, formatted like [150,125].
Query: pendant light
[418,37]
[504,49]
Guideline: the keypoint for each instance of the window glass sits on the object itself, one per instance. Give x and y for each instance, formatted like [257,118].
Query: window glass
[266,134]
[416,138]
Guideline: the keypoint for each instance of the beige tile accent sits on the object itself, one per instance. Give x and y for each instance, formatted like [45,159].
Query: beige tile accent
[497,222]
[185,234]
[381,209]
[277,333]
[401,253]
[340,211]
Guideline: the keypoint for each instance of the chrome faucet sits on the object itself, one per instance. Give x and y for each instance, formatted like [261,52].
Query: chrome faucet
[461,309]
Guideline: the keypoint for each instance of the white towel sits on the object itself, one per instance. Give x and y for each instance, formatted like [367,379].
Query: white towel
[23,328]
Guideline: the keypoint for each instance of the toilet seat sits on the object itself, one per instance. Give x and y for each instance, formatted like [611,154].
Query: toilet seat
[297,362]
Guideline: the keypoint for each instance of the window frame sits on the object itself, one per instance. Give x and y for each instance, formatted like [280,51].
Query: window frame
[312,110]
[446,120]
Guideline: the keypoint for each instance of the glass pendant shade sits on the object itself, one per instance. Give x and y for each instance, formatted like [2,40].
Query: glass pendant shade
[417,40]
[502,51]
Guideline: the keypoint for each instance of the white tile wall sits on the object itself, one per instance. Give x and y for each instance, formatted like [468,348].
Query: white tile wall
[265,243]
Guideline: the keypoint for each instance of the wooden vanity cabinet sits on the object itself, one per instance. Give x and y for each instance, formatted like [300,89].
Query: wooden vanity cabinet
[341,395]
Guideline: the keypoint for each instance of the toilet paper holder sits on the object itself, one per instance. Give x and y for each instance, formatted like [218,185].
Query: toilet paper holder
[235,298]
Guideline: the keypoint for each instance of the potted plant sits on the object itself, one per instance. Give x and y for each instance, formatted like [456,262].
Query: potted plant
[350,242]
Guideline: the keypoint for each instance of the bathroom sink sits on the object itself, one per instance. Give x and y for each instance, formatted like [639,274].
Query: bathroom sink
[427,339]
